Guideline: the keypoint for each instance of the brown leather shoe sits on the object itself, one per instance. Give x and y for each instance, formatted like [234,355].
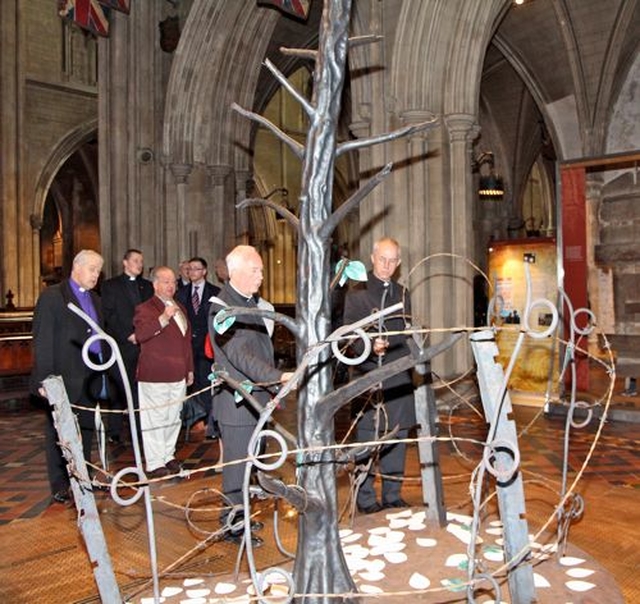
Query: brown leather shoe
[174,466]
[158,473]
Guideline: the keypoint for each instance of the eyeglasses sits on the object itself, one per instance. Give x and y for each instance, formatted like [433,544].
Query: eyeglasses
[196,268]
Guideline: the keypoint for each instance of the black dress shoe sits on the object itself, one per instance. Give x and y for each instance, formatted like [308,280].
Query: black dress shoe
[174,466]
[62,496]
[370,509]
[397,503]
[114,440]
[158,473]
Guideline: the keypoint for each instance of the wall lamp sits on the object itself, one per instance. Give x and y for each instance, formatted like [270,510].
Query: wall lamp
[491,185]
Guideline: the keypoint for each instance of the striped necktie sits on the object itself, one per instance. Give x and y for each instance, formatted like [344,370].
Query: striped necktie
[195,300]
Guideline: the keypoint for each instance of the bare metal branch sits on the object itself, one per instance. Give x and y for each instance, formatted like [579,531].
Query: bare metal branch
[293,494]
[384,138]
[362,40]
[295,146]
[287,85]
[353,454]
[287,214]
[354,201]
[303,53]
[240,311]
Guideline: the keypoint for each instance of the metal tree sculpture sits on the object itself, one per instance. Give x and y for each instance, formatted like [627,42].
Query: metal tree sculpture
[320,568]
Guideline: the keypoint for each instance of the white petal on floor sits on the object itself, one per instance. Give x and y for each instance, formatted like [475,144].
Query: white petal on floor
[397,523]
[356,550]
[344,533]
[401,514]
[540,581]
[169,592]
[376,565]
[500,542]
[496,523]
[372,576]
[579,585]
[356,564]
[580,573]
[379,530]
[494,531]
[462,533]
[493,553]
[418,581]
[222,588]
[455,560]
[396,557]
[459,518]
[198,593]
[570,561]
[426,542]
[351,538]
[390,537]
[370,589]
[419,516]
[416,526]
[192,582]
[386,548]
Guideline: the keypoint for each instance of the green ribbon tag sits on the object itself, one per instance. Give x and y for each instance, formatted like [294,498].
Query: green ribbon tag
[354,270]
[221,325]
[247,386]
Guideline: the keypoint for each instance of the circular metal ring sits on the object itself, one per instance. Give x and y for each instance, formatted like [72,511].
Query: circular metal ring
[545,333]
[362,334]
[254,448]
[96,337]
[116,480]
[591,322]
[484,577]
[503,475]
[278,572]
[587,420]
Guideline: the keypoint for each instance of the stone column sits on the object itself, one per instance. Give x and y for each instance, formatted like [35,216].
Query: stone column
[177,213]
[222,212]
[461,129]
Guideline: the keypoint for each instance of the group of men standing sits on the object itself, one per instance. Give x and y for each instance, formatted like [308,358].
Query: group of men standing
[161,327]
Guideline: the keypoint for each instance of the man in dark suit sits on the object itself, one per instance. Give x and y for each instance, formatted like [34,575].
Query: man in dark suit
[120,296]
[195,297]
[165,369]
[245,351]
[381,291]
[58,338]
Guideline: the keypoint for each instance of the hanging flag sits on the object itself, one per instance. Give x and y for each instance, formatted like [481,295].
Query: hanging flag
[87,14]
[119,5]
[297,8]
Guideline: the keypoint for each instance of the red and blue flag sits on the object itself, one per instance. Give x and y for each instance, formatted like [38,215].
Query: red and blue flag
[297,8]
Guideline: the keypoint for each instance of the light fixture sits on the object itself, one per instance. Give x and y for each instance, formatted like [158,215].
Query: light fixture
[491,185]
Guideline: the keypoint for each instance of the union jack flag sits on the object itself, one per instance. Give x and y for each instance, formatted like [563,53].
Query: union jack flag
[92,15]
[120,5]
[297,8]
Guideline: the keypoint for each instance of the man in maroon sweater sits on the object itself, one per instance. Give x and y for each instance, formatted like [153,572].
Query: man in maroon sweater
[165,369]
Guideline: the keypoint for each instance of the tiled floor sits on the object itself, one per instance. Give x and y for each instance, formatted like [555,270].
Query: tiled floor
[610,485]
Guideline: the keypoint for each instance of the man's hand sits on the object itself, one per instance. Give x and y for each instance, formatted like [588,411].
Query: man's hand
[380,346]
[190,378]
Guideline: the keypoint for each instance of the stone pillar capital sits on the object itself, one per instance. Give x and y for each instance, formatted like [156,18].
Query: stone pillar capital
[593,188]
[461,126]
[35,221]
[181,172]
[218,174]
[417,116]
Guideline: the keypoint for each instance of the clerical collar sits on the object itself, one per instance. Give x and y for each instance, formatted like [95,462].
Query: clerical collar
[247,298]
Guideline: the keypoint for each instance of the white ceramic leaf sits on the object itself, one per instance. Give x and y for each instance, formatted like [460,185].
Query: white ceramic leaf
[379,530]
[540,581]
[372,576]
[398,523]
[580,573]
[192,582]
[570,561]
[455,560]
[494,531]
[400,514]
[344,533]
[370,589]
[579,585]
[169,592]
[386,548]
[418,581]
[198,593]
[396,557]
[222,588]
[426,542]
[416,526]
[351,538]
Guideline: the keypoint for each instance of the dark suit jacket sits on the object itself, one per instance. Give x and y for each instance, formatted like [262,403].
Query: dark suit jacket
[58,337]
[199,320]
[118,306]
[361,301]
[165,353]
[245,350]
